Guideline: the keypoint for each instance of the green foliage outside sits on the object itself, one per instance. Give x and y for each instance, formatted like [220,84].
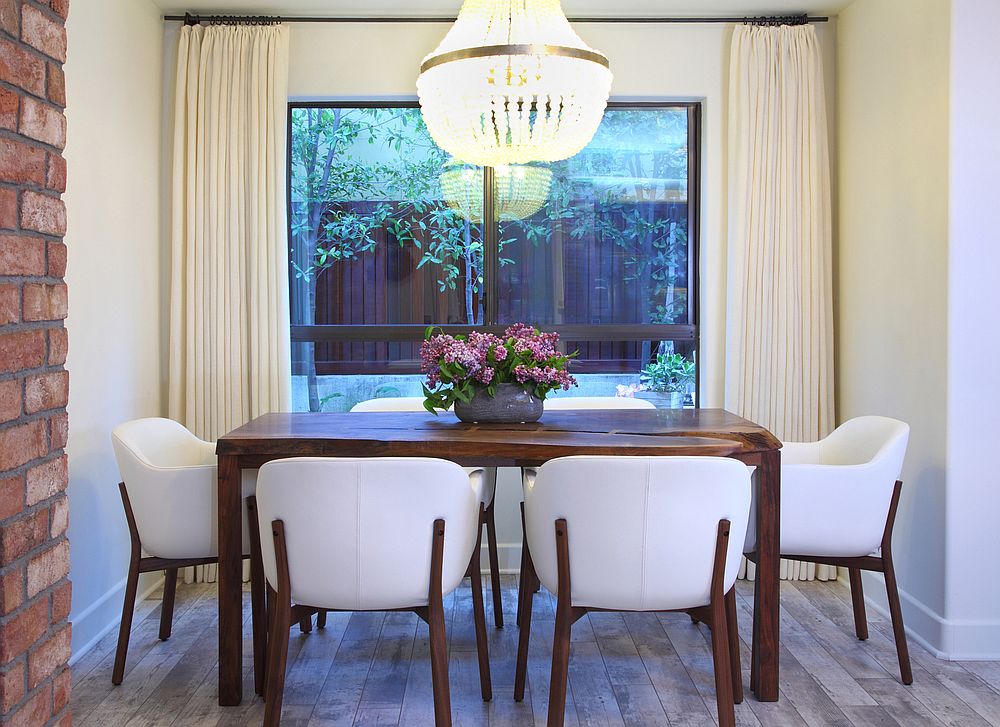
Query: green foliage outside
[356,171]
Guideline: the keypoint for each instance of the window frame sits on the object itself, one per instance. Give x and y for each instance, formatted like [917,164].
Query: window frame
[690,332]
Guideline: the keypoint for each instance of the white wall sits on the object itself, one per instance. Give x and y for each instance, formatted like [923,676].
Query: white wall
[972,592]
[113,81]
[892,261]
[649,62]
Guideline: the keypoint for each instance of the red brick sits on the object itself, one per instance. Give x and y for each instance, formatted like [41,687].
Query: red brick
[11,496]
[20,163]
[11,687]
[61,7]
[43,213]
[49,658]
[62,685]
[46,391]
[9,22]
[59,517]
[42,32]
[10,304]
[46,480]
[55,86]
[58,346]
[58,431]
[24,535]
[12,590]
[61,600]
[8,208]
[56,177]
[21,255]
[43,302]
[22,443]
[57,260]
[10,400]
[48,568]
[8,108]
[21,68]
[33,713]
[21,350]
[42,122]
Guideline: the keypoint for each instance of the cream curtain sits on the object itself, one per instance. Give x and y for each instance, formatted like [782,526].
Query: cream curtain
[229,335]
[779,347]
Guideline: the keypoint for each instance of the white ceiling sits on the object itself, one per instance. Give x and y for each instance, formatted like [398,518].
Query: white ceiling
[580,8]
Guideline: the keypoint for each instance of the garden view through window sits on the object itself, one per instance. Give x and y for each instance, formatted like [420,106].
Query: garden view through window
[388,235]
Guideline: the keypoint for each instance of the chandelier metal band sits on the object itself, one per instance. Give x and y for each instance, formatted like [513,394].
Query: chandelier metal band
[488,51]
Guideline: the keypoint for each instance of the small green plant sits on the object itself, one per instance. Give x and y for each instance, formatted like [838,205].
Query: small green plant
[670,372]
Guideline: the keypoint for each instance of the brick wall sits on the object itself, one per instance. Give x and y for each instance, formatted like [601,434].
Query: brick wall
[34,552]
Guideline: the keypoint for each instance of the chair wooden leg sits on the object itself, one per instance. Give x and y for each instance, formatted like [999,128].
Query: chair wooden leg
[721,653]
[491,543]
[167,607]
[321,620]
[858,600]
[258,599]
[526,597]
[563,628]
[306,624]
[277,654]
[281,621]
[896,613]
[733,629]
[438,639]
[521,583]
[479,617]
[125,629]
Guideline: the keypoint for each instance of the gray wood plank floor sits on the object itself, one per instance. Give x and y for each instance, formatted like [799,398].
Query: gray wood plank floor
[625,669]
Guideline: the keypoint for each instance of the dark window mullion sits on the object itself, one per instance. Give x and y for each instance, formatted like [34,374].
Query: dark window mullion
[491,250]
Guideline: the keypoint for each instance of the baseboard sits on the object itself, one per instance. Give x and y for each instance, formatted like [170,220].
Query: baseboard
[950,639]
[114,595]
[509,555]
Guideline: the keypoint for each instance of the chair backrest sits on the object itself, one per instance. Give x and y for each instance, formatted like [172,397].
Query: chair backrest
[359,531]
[170,476]
[836,492]
[391,403]
[867,440]
[642,530]
[572,403]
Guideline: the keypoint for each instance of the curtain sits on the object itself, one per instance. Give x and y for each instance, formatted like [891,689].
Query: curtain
[779,337]
[229,327]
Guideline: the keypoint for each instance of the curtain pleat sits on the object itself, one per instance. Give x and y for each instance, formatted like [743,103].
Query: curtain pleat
[779,347]
[229,326]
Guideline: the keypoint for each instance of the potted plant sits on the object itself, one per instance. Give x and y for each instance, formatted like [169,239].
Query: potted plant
[490,378]
[666,380]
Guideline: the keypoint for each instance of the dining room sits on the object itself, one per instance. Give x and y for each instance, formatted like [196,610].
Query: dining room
[501,362]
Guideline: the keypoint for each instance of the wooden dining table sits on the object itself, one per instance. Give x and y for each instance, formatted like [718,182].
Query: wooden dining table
[642,432]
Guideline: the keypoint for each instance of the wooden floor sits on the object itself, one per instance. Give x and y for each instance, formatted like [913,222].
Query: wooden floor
[636,669]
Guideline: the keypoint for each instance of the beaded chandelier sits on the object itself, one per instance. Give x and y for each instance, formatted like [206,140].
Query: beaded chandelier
[513,83]
[521,190]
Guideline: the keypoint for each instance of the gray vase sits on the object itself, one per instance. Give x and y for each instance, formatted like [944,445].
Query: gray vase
[511,405]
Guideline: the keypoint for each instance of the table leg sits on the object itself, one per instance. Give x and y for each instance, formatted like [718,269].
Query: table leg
[230,582]
[766,614]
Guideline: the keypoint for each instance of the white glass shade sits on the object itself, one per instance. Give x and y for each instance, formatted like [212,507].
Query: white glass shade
[513,83]
[521,190]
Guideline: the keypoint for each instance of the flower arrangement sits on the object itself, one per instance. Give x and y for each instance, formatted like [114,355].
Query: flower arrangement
[457,367]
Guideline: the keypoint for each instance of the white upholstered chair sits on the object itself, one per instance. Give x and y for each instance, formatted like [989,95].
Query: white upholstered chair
[372,534]
[489,474]
[838,505]
[575,403]
[571,403]
[637,534]
[168,489]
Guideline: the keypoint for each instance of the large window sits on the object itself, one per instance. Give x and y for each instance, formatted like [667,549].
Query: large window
[388,235]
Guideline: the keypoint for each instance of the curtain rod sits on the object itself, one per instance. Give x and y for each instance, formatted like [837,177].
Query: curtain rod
[194,19]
